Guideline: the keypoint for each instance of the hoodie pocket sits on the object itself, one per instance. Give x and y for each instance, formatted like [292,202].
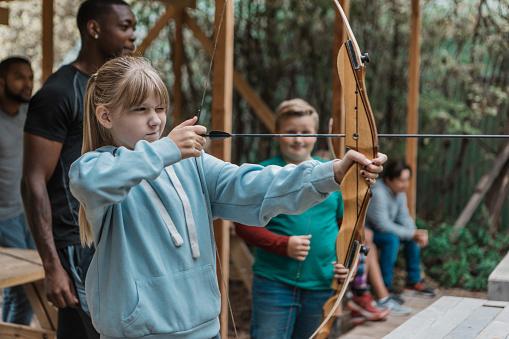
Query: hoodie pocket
[174,303]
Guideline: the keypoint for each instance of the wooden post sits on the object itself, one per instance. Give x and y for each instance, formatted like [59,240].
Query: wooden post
[338,98]
[47,38]
[4,16]
[177,67]
[222,93]
[413,102]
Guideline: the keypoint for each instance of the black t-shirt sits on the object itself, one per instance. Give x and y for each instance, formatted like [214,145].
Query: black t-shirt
[56,113]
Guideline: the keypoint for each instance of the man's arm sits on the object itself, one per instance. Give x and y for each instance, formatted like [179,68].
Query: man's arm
[40,157]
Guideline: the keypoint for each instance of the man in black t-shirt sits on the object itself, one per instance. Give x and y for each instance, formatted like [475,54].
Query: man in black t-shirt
[52,142]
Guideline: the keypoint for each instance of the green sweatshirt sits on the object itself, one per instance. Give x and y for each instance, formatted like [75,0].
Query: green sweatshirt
[316,272]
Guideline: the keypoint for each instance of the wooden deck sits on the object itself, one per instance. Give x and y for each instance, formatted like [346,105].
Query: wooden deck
[379,329]
[457,317]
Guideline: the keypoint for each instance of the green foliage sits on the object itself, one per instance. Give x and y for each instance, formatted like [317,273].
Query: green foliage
[467,261]
[283,49]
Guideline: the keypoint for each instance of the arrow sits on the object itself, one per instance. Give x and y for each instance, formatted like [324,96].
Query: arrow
[220,135]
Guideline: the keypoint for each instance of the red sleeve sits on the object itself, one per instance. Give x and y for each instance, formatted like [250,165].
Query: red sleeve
[262,238]
[340,221]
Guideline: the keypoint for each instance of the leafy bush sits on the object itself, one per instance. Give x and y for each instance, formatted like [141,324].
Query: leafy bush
[467,261]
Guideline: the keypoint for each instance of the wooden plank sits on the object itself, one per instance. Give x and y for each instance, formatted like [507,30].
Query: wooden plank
[379,329]
[437,320]
[413,102]
[50,310]
[45,313]
[16,271]
[498,328]
[495,303]
[474,324]
[179,3]
[480,190]
[156,29]
[47,38]
[261,109]
[4,16]
[24,332]
[498,281]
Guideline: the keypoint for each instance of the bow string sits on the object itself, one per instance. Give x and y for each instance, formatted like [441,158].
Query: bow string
[209,213]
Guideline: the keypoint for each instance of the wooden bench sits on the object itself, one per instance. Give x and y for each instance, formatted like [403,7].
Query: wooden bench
[24,267]
[455,317]
[498,281]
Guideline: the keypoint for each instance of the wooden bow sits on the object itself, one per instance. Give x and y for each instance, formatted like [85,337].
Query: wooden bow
[361,136]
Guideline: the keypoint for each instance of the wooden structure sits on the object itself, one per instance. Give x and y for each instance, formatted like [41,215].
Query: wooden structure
[413,101]
[455,317]
[4,16]
[226,78]
[47,34]
[24,267]
[379,329]
[481,189]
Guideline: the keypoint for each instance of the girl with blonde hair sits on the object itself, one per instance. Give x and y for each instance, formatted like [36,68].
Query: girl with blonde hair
[147,206]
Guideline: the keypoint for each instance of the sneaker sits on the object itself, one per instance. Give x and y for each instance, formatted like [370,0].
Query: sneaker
[366,306]
[396,308]
[420,289]
[397,298]
[357,318]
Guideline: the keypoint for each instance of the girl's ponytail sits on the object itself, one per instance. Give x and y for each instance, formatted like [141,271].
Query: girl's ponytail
[89,132]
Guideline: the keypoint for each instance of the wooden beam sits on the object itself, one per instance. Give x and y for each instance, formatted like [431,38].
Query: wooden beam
[179,3]
[24,332]
[178,55]
[45,313]
[156,29]
[4,16]
[222,93]
[482,187]
[413,102]
[338,97]
[47,38]
[261,109]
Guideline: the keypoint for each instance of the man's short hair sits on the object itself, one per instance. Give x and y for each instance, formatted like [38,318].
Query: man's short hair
[5,65]
[94,9]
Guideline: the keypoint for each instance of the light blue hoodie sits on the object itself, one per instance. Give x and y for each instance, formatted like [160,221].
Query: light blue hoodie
[143,281]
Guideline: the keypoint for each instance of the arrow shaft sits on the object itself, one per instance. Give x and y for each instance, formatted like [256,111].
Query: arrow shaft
[472,136]
[452,136]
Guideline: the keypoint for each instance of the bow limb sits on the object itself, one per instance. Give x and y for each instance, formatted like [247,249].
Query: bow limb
[331,305]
